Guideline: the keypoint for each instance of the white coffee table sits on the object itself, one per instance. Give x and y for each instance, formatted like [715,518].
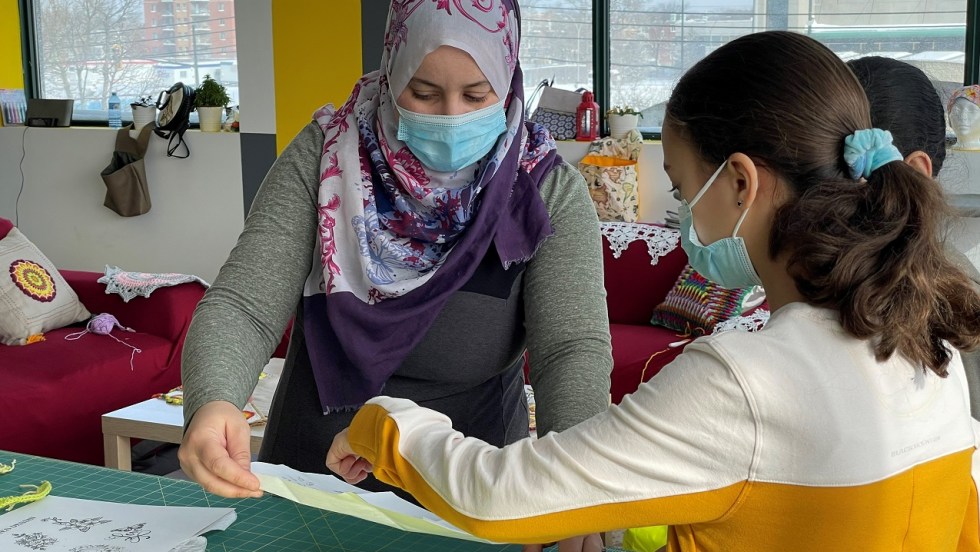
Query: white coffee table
[156,420]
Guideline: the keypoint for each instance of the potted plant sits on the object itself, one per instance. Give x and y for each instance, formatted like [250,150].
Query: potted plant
[144,111]
[210,100]
[622,119]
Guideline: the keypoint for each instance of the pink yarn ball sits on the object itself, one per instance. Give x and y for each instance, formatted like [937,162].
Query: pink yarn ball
[102,324]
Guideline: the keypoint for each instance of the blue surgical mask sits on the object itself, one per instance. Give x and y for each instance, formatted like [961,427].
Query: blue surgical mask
[725,262]
[447,143]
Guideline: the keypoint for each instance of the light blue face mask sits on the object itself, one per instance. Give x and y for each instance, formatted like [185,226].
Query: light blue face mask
[725,262]
[447,143]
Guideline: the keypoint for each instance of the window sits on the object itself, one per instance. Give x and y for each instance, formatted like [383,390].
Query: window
[651,43]
[221,6]
[557,43]
[87,49]
[651,47]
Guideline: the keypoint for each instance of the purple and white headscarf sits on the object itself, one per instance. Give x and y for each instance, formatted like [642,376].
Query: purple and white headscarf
[397,239]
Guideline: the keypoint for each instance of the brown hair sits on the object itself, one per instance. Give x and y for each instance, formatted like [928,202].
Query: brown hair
[871,250]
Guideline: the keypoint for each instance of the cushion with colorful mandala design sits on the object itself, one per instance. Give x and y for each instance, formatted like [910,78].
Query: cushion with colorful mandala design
[34,298]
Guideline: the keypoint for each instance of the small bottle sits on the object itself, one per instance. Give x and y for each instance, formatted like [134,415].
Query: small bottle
[587,119]
[115,112]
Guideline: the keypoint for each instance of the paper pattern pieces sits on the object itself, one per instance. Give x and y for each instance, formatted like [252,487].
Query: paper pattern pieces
[329,493]
[59,524]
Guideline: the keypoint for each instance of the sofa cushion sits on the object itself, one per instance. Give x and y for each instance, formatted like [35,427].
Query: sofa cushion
[34,297]
[695,304]
[59,389]
[5,227]
[639,352]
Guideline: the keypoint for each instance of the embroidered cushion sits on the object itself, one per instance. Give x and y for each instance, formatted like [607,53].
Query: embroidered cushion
[695,305]
[34,298]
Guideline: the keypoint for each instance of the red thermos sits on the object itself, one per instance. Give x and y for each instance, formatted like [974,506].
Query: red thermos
[587,119]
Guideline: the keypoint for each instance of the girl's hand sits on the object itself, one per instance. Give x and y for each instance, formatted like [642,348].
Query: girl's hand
[342,461]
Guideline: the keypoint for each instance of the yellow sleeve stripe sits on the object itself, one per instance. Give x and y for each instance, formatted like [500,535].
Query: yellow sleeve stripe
[375,436]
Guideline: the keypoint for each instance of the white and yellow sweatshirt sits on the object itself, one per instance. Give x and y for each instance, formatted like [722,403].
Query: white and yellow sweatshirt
[793,438]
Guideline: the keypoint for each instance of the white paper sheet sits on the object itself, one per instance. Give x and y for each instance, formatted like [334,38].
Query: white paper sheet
[329,493]
[317,481]
[59,524]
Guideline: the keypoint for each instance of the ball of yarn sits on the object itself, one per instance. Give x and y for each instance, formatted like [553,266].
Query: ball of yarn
[102,324]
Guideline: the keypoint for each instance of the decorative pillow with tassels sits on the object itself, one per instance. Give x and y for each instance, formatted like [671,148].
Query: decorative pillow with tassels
[695,305]
[34,297]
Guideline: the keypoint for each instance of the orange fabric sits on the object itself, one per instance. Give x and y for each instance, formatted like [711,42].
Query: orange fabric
[605,161]
[970,534]
[909,511]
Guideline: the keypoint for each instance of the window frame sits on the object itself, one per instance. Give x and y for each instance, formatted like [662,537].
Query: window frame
[31,68]
[602,54]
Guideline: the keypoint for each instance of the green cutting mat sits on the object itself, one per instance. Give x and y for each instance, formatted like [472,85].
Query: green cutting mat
[264,525]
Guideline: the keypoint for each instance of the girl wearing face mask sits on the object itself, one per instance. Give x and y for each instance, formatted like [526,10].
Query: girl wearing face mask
[843,425]
[445,237]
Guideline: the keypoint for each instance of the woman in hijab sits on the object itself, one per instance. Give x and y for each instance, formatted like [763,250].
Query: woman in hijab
[445,236]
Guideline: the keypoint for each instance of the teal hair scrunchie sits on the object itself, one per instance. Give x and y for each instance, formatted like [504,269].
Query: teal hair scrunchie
[867,150]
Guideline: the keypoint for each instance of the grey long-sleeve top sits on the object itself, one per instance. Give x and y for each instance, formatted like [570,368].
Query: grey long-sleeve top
[558,300]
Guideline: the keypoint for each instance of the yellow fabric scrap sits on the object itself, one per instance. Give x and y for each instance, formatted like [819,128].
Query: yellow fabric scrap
[35,493]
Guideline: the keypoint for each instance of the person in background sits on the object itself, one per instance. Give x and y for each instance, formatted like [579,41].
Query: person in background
[843,424]
[904,102]
[424,235]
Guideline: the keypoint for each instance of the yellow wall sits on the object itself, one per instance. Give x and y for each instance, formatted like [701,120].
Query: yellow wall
[11,70]
[317,56]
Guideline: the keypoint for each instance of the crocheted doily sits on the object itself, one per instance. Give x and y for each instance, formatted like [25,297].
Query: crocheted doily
[751,323]
[134,284]
[659,240]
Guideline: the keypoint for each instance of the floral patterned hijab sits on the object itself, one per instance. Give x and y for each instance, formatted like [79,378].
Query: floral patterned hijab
[397,239]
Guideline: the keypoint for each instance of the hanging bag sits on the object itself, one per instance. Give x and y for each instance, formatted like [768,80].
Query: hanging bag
[127,192]
[175,105]
[556,111]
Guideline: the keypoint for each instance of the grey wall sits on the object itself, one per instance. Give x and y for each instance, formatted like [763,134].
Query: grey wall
[374,16]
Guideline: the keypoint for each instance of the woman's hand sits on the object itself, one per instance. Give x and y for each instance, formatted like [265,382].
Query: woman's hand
[342,461]
[215,451]
[586,543]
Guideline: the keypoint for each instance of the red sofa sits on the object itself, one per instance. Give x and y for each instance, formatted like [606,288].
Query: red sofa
[54,392]
[634,288]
